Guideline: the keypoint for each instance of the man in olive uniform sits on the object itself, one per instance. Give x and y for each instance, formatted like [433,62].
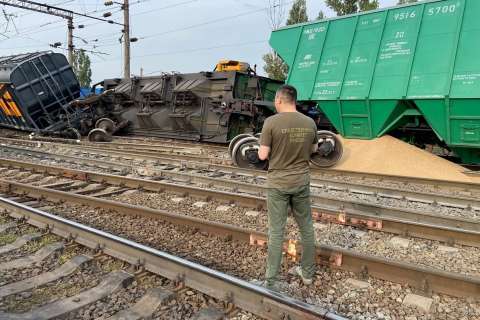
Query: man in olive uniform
[288,139]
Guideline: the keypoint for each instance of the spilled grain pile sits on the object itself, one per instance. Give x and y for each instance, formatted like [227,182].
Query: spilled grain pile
[388,155]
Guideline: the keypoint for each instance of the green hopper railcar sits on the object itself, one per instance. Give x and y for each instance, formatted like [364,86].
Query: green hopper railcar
[375,72]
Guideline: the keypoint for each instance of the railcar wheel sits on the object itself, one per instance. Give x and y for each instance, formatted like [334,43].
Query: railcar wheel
[245,154]
[99,135]
[72,133]
[234,140]
[106,124]
[330,150]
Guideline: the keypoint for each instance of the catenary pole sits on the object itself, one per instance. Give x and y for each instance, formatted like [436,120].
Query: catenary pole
[126,39]
[70,45]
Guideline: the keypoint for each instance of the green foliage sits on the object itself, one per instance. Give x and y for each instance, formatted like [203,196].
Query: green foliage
[321,15]
[406,1]
[366,5]
[274,66]
[298,13]
[82,68]
[343,7]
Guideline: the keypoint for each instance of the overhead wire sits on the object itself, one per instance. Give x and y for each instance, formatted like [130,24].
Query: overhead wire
[175,5]
[35,29]
[208,22]
[172,52]
[19,14]
[22,13]
[114,42]
[198,25]
[25,36]
[38,28]
[192,26]
[97,10]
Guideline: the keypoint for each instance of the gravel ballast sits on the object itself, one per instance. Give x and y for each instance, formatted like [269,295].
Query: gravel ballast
[383,300]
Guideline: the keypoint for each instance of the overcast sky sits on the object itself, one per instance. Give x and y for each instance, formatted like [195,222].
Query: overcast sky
[174,35]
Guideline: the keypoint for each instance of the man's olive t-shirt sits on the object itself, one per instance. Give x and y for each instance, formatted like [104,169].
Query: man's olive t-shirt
[290,136]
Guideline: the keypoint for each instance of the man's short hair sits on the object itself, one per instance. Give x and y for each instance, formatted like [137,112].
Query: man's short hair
[287,93]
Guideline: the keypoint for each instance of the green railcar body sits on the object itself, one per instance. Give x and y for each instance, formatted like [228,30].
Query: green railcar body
[371,72]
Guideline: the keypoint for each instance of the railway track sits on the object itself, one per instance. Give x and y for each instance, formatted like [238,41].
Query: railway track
[158,145]
[420,189]
[388,185]
[93,194]
[417,280]
[144,143]
[338,209]
[91,250]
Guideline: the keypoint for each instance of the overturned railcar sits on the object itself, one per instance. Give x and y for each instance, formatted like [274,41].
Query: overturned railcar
[36,90]
[206,106]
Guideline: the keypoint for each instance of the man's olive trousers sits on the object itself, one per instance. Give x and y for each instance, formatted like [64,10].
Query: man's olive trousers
[278,201]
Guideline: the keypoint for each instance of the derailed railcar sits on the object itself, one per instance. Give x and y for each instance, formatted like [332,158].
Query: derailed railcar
[206,106]
[36,91]
[411,71]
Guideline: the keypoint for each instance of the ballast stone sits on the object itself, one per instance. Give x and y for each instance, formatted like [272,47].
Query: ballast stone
[319,226]
[222,208]
[400,242]
[91,187]
[359,233]
[200,204]
[421,303]
[177,199]
[357,284]
[129,192]
[209,314]
[252,213]
[447,249]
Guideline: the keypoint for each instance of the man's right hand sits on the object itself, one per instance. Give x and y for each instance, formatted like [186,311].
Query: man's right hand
[263,152]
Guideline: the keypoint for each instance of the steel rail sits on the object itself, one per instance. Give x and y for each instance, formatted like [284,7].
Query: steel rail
[214,164]
[143,145]
[136,142]
[255,299]
[424,279]
[437,184]
[374,217]
[445,200]
[210,162]
[90,162]
[131,147]
[156,159]
[152,155]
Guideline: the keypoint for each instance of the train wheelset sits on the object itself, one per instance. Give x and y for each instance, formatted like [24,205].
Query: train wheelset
[104,130]
[243,150]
